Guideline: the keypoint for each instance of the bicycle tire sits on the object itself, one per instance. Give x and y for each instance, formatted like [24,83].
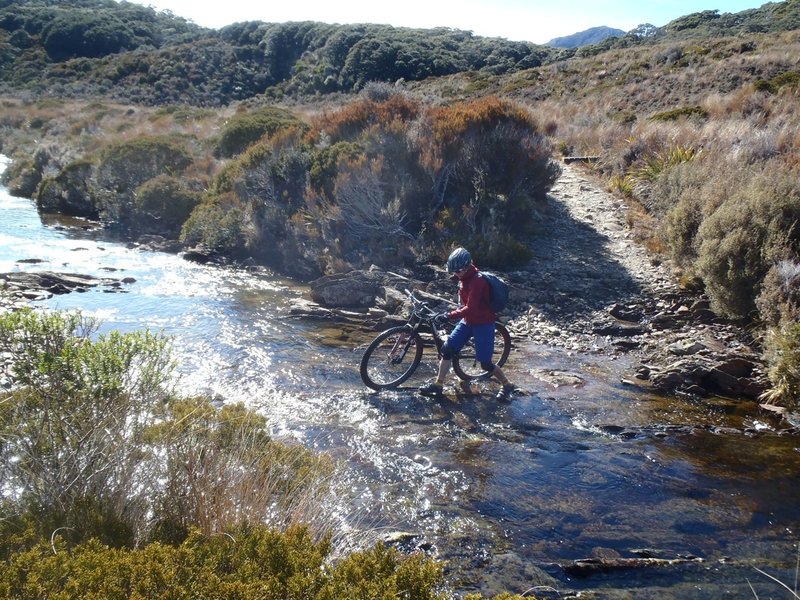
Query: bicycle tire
[466,364]
[380,370]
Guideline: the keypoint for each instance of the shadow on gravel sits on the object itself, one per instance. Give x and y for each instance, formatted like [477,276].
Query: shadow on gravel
[572,273]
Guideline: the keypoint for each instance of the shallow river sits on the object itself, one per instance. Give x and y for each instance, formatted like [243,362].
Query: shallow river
[504,493]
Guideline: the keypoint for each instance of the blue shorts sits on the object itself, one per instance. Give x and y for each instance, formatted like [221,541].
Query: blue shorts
[484,339]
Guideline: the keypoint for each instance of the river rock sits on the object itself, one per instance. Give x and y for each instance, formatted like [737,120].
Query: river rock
[626,313]
[40,286]
[356,289]
[159,243]
[686,348]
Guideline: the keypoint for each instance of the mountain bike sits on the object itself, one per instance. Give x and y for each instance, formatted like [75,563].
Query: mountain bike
[393,356]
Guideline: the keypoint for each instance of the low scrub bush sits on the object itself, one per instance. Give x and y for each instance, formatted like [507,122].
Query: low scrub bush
[490,165]
[163,204]
[739,242]
[244,129]
[687,112]
[788,79]
[70,192]
[247,562]
[221,468]
[779,300]
[73,428]
[123,166]
[96,445]
[218,224]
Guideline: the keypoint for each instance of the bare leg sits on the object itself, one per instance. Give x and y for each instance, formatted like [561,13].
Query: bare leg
[444,369]
[500,376]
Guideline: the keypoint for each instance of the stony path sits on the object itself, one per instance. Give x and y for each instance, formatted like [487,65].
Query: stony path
[585,261]
[591,288]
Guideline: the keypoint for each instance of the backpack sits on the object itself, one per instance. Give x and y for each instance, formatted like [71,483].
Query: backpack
[499,287]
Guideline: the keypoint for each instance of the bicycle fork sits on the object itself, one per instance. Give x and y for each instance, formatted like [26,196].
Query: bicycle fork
[400,348]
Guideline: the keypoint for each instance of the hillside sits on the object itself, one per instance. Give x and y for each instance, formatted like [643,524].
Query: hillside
[127,52]
[588,37]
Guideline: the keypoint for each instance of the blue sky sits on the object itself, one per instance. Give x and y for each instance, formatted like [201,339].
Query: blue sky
[529,20]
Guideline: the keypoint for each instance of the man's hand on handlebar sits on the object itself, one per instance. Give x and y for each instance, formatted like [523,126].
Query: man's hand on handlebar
[440,319]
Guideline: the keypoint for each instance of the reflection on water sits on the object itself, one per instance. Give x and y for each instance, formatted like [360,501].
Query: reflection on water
[502,492]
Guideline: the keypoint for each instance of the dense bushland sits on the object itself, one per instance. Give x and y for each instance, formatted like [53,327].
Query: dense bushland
[383,180]
[132,53]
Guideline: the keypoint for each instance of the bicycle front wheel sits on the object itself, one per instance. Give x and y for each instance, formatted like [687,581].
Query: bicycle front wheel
[466,364]
[391,358]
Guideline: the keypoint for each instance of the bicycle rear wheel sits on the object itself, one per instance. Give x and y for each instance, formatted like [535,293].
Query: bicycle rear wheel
[391,358]
[466,364]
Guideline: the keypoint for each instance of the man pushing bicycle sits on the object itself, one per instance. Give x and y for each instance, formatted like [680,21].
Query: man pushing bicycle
[475,320]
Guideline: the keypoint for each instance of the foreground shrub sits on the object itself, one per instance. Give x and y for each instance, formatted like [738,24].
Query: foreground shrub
[73,429]
[220,467]
[95,445]
[248,562]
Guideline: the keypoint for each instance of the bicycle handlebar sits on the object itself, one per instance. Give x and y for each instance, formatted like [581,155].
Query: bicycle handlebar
[420,307]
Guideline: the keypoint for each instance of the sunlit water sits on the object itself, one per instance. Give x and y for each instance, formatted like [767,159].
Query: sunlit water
[501,492]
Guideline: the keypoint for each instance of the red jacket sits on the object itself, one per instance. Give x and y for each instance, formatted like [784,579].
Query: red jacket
[475,293]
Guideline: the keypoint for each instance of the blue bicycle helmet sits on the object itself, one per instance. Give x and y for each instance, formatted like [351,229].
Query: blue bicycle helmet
[458,259]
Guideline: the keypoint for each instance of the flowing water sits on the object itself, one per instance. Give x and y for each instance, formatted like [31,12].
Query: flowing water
[504,493]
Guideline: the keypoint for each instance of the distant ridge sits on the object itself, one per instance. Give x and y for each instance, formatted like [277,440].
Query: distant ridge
[585,38]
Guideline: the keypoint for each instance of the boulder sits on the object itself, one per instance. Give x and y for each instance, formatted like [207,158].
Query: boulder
[356,289]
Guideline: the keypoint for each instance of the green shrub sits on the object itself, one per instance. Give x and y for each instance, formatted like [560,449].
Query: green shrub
[745,236]
[697,112]
[124,166]
[244,129]
[85,33]
[22,177]
[324,164]
[95,446]
[73,429]
[70,192]
[163,204]
[248,562]
[219,224]
[789,79]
